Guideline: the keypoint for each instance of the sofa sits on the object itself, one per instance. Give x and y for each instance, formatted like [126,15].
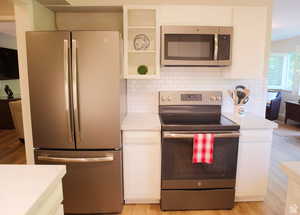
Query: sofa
[273,108]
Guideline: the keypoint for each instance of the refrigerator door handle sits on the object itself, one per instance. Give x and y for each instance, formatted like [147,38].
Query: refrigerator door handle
[108,158]
[75,91]
[67,90]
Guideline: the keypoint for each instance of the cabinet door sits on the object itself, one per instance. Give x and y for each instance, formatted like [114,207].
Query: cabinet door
[253,165]
[196,15]
[142,160]
[249,42]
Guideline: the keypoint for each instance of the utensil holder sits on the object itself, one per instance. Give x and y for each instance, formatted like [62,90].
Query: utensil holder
[239,109]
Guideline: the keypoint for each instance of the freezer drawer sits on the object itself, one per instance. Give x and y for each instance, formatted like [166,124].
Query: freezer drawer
[93,183]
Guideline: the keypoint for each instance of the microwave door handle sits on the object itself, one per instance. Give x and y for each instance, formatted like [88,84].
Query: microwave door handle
[216,52]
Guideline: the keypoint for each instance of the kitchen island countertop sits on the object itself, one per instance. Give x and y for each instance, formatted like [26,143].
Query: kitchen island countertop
[24,187]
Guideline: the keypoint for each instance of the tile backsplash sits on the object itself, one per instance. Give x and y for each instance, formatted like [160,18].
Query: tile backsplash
[14,86]
[143,94]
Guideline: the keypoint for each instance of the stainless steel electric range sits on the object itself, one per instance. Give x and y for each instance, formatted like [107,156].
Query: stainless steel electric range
[188,186]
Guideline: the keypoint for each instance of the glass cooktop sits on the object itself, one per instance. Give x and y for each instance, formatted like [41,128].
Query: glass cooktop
[187,122]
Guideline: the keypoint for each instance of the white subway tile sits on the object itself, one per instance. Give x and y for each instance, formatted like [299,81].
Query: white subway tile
[143,94]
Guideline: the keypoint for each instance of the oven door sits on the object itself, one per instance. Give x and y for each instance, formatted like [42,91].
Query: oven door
[178,171]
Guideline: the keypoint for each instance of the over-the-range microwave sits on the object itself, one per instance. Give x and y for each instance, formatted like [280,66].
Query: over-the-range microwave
[196,45]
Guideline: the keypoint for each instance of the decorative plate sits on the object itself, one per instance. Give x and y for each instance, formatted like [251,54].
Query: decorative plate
[141,42]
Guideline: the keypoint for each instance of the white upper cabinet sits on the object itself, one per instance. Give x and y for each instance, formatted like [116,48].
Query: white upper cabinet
[249,46]
[250,26]
[196,15]
[249,43]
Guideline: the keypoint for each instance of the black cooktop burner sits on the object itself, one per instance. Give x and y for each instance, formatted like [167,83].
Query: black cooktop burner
[194,122]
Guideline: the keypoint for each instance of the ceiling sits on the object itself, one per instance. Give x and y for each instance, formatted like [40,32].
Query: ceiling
[6,8]
[286,19]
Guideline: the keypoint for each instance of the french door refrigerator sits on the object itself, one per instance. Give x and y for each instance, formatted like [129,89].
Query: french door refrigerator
[76,95]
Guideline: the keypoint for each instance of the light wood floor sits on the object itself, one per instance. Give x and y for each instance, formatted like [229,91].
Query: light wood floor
[12,151]
[286,147]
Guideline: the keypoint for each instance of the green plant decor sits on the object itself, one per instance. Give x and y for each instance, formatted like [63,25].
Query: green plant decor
[142,70]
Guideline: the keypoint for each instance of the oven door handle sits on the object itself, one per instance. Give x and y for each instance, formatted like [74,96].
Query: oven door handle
[169,135]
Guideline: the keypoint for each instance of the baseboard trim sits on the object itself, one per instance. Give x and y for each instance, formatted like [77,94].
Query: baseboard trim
[142,201]
[239,198]
[249,198]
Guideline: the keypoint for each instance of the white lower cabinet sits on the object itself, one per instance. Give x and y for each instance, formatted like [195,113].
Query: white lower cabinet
[142,166]
[51,202]
[253,164]
[60,210]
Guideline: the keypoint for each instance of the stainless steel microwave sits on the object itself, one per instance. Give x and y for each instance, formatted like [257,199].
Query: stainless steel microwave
[196,45]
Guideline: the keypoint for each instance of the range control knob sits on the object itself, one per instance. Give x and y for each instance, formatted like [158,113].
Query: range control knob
[169,98]
[219,98]
[163,98]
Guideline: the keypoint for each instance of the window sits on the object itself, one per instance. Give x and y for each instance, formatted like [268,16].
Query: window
[281,71]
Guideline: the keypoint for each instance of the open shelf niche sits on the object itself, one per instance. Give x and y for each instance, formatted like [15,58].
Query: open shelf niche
[141,20]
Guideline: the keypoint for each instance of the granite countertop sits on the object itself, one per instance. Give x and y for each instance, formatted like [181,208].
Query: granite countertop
[23,186]
[141,122]
[251,121]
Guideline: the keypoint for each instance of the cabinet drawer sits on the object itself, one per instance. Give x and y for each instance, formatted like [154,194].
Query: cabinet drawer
[134,137]
[256,135]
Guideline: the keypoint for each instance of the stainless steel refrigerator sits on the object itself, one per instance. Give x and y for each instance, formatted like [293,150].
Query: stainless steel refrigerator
[76,100]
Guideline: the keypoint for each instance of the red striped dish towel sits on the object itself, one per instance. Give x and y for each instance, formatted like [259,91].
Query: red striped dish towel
[203,149]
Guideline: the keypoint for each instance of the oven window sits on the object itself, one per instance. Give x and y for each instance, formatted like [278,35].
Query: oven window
[189,47]
[177,160]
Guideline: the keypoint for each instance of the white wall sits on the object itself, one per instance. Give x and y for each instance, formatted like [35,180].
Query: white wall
[89,21]
[143,94]
[28,18]
[285,46]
